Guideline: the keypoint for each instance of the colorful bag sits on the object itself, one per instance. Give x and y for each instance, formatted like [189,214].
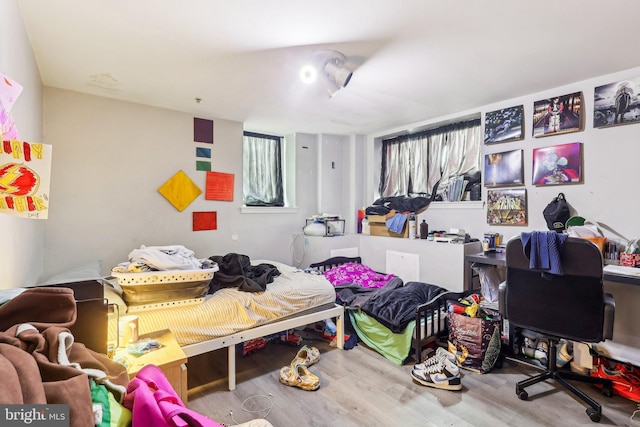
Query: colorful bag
[475,341]
[154,403]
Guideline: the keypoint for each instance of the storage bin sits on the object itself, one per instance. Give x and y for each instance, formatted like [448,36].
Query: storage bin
[156,286]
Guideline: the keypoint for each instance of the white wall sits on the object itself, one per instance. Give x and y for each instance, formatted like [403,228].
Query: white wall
[21,256]
[610,168]
[110,158]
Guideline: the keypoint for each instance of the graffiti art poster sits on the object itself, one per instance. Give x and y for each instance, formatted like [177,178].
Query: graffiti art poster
[25,172]
[507,207]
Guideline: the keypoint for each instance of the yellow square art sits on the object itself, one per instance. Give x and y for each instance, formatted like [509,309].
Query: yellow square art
[179,190]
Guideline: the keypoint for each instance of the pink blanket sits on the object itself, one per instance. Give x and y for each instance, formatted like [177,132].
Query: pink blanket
[357,273]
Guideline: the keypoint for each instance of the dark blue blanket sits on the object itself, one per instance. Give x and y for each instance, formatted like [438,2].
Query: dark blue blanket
[393,305]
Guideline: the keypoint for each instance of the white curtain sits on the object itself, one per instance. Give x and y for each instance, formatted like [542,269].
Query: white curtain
[262,170]
[413,164]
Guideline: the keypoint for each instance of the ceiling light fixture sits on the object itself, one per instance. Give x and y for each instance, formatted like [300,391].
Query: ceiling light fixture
[308,74]
[330,66]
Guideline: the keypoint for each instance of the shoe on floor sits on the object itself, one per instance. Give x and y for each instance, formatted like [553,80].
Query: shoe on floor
[306,356]
[299,376]
[442,374]
[625,379]
[440,354]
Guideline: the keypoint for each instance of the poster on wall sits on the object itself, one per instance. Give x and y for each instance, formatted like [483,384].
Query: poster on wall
[10,90]
[25,172]
[560,114]
[504,125]
[503,169]
[616,103]
[557,165]
[507,207]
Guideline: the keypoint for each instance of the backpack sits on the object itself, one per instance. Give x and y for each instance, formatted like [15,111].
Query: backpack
[556,213]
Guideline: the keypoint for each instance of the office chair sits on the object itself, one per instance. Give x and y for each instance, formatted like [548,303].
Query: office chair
[572,306]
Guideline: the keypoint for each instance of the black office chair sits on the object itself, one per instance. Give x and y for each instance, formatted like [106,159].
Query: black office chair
[572,306]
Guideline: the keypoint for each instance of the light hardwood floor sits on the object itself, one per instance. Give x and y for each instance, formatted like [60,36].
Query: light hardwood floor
[359,387]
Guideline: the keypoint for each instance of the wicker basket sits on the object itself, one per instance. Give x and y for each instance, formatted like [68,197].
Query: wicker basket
[159,286]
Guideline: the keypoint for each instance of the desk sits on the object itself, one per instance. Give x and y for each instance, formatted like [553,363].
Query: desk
[491,258]
[627,275]
[611,273]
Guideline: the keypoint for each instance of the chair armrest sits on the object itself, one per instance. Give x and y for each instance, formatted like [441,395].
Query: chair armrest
[502,299]
[609,315]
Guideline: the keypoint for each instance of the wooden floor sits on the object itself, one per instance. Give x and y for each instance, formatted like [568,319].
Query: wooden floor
[359,387]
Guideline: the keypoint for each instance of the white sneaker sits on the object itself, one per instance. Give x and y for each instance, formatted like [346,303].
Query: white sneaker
[443,374]
[439,355]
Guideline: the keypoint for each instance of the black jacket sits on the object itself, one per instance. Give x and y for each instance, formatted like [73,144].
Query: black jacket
[235,270]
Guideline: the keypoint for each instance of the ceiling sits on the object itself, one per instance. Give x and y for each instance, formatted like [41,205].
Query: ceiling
[412,60]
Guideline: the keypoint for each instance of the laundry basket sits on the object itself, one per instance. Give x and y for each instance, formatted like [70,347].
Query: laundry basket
[161,286]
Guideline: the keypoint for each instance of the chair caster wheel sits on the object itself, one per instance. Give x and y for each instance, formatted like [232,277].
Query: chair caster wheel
[523,395]
[607,391]
[594,415]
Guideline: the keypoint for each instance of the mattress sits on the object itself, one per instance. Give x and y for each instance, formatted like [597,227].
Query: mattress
[229,310]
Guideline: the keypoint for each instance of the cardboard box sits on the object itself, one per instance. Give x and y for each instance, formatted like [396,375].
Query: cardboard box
[378,226]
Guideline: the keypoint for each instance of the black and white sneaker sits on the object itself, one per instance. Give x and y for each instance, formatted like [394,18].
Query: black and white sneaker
[443,374]
[437,357]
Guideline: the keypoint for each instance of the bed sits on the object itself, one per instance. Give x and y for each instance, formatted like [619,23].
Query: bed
[404,318]
[229,316]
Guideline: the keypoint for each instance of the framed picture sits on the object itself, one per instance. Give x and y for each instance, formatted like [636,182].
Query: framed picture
[560,114]
[507,207]
[559,164]
[616,103]
[503,169]
[504,125]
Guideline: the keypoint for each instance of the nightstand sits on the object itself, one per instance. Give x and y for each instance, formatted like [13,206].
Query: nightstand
[170,358]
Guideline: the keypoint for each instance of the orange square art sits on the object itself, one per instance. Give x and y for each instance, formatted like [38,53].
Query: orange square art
[219,186]
[205,221]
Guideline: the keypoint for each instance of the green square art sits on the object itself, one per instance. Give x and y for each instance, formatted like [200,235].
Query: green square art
[203,166]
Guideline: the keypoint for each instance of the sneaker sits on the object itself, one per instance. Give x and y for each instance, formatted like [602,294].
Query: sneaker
[625,378]
[439,355]
[299,376]
[564,355]
[306,356]
[443,374]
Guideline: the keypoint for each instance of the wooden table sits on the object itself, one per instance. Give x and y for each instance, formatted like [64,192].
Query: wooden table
[169,357]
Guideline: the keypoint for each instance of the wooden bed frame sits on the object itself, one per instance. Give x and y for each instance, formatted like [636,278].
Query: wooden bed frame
[435,331]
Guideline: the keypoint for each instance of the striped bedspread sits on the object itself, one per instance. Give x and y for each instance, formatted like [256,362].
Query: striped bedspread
[229,310]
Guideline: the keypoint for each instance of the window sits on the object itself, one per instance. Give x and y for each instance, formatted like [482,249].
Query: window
[262,170]
[413,164]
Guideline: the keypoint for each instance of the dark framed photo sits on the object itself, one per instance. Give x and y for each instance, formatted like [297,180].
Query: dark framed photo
[507,206]
[616,103]
[560,114]
[503,169]
[504,125]
[557,165]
